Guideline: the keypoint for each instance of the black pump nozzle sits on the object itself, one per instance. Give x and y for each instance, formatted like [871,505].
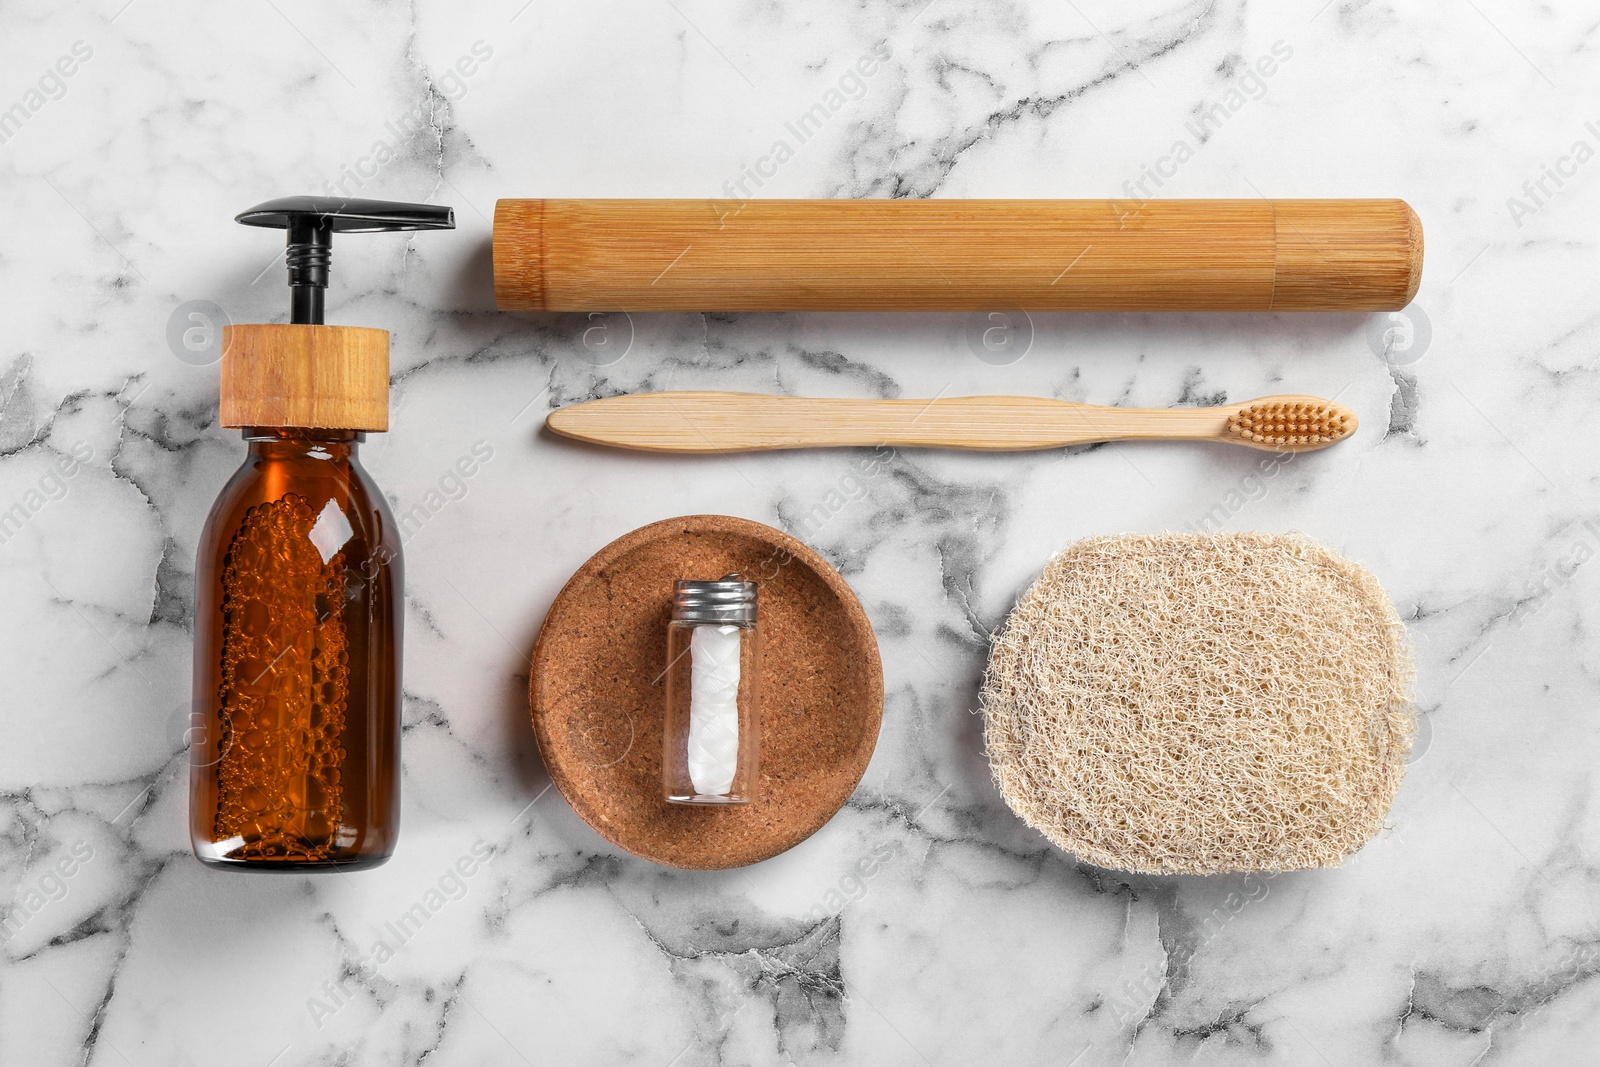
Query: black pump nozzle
[312,222]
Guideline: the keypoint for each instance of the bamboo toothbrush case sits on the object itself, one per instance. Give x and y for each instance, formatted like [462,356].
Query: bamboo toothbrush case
[956,255]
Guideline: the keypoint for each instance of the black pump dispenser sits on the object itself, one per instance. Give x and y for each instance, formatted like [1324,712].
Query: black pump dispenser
[312,222]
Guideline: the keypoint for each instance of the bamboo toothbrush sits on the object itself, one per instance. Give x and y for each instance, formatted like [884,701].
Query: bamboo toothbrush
[749,422]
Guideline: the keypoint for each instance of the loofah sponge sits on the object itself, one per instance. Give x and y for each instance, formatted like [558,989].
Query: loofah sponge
[1198,703]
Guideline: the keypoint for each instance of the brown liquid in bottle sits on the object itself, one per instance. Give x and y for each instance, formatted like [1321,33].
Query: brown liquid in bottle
[297,666]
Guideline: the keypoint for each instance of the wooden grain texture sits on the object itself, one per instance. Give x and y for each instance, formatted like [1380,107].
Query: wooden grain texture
[1340,255]
[693,421]
[328,377]
[597,701]
[955,255]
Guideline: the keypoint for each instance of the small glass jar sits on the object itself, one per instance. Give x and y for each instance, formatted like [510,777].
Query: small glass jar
[713,679]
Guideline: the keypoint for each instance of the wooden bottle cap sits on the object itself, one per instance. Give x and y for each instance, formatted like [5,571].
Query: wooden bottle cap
[328,377]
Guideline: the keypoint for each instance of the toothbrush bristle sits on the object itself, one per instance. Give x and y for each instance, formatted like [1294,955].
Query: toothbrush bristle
[1292,425]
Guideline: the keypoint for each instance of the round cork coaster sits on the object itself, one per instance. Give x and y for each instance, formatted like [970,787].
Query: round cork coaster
[596,691]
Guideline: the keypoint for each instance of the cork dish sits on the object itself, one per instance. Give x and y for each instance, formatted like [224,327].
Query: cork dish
[596,692]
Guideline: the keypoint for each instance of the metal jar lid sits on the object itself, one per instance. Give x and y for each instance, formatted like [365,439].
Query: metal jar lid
[730,600]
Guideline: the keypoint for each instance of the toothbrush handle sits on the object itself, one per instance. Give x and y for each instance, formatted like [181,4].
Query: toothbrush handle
[747,422]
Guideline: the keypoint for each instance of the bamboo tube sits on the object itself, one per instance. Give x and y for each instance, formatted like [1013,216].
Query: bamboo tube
[956,255]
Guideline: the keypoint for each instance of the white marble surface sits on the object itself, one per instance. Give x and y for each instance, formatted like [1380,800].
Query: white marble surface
[1466,935]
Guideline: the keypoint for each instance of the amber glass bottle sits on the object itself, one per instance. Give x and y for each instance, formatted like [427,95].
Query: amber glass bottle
[297,657]
[295,731]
